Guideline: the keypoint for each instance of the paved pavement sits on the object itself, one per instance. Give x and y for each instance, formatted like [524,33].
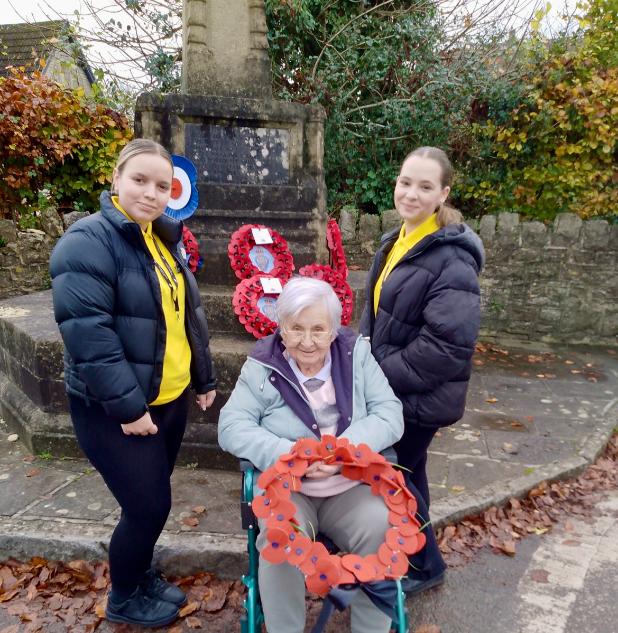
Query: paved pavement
[533,414]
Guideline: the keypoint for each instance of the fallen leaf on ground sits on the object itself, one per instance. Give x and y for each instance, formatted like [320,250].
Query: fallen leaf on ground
[199,509]
[194,623]
[216,600]
[188,609]
[100,608]
[33,472]
[539,575]
[491,400]
[427,628]
[191,521]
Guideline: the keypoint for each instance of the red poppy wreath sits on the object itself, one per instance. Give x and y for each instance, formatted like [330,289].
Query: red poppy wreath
[287,543]
[335,248]
[339,284]
[248,258]
[254,308]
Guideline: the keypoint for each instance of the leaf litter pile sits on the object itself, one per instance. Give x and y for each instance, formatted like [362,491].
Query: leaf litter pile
[52,596]
[545,505]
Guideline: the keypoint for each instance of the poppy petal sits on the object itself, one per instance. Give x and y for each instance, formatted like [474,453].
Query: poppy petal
[300,548]
[284,510]
[352,472]
[307,448]
[278,535]
[378,567]
[328,567]
[274,553]
[328,444]
[398,567]
[262,506]
[365,572]
[318,552]
[345,577]
[318,583]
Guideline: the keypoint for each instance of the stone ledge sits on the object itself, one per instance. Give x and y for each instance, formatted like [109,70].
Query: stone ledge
[184,554]
[456,508]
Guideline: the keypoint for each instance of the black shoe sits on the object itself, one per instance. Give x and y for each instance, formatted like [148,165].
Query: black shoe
[142,610]
[154,585]
[411,586]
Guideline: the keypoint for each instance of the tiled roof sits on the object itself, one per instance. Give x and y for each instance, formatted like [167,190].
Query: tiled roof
[22,44]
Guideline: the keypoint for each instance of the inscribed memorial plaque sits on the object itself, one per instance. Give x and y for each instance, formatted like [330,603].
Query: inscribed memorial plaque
[238,155]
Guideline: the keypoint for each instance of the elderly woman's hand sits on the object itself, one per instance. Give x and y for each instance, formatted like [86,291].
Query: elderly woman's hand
[320,470]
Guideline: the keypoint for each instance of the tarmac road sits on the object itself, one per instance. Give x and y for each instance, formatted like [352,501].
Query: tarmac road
[562,582]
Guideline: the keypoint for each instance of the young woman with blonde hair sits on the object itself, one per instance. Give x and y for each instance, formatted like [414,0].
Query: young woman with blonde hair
[135,339]
[422,315]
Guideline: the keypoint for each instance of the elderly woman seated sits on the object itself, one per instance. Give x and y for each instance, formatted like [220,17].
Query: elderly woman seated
[312,378]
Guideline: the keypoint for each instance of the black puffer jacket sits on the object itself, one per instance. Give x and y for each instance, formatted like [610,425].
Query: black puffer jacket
[428,319]
[107,302]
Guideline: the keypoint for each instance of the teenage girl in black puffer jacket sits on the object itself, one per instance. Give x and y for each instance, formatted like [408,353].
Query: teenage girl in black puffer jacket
[135,338]
[423,312]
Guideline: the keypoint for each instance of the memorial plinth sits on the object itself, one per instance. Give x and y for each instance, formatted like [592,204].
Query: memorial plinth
[257,162]
[32,397]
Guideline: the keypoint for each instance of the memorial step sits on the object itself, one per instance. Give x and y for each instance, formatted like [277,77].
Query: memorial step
[217,300]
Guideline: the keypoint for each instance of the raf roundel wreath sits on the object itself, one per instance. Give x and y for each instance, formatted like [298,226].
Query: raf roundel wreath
[286,542]
[248,258]
[183,196]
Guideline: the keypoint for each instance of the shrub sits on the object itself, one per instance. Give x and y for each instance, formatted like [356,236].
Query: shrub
[53,142]
[557,150]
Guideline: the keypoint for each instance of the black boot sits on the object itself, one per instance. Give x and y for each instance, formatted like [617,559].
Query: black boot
[154,585]
[142,610]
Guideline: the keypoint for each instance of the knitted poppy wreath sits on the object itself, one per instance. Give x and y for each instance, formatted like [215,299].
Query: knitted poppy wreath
[335,248]
[339,285]
[248,258]
[286,541]
[255,309]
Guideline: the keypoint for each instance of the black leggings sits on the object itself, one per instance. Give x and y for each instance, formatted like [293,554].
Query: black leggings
[412,453]
[137,471]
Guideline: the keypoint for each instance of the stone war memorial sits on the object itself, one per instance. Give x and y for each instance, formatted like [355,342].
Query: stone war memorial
[258,161]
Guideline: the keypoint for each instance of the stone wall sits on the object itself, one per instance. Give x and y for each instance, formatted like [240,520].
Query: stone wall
[541,283]
[24,255]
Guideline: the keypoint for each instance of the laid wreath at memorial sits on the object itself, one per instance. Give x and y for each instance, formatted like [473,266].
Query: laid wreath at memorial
[322,570]
[257,252]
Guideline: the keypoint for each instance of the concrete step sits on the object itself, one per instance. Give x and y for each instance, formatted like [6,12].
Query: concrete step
[217,300]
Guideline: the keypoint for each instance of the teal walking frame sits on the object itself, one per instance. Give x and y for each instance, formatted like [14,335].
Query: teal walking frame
[253,618]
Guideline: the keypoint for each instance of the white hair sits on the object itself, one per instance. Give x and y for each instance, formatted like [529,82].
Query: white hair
[302,292]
